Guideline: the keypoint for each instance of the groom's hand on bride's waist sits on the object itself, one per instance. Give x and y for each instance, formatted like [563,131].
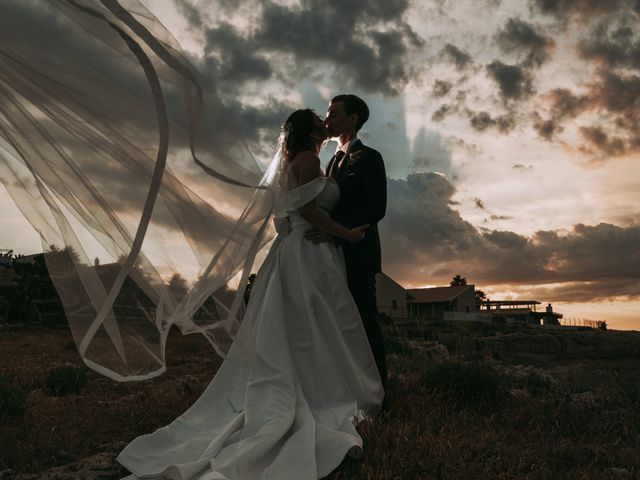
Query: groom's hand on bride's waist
[318,236]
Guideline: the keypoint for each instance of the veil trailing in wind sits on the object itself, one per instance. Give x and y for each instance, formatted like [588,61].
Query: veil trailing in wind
[146,198]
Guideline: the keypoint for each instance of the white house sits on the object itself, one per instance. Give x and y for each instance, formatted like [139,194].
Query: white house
[395,301]
[391,297]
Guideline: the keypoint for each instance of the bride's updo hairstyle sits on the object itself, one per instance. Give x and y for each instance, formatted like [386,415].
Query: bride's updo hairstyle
[298,133]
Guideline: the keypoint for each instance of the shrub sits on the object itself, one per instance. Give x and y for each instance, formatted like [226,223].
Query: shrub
[536,383]
[397,346]
[467,383]
[534,380]
[12,399]
[629,390]
[65,379]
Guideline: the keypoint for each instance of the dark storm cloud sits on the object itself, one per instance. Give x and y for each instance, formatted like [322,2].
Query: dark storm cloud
[431,242]
[260,125]
[455,102]
[619,95]
[526,40]
[563,105]
[190,12]
[236,61]
[600,143]
[590,253]
[582,9]
[547,129]
[441,113]
[87,65]
[615,98]
[514,81]
[483,121]
[591,291]
[345,35]
[441,88]
[420,218]
[96,107]
[459,57]
[613,44]
[566,104]
[367,45]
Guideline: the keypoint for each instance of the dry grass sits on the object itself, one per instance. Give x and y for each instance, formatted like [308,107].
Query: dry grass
[105,415]
[578,419]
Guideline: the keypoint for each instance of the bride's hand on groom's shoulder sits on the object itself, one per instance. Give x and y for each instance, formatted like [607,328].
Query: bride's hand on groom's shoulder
[318,236]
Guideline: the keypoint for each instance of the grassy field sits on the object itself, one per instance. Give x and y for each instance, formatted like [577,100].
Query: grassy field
[466,404]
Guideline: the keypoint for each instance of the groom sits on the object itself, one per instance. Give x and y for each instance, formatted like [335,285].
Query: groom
[360,174]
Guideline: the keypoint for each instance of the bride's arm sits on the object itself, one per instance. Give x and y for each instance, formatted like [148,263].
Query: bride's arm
[306,167]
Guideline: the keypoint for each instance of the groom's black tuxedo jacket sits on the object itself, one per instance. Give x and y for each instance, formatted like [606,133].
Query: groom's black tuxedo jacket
[363,200]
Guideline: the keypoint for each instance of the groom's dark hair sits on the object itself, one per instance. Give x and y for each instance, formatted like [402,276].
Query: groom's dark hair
[354,104]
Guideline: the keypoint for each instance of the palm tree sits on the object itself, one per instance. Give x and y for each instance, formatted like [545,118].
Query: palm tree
[178,285]
[458,280]
[480,296]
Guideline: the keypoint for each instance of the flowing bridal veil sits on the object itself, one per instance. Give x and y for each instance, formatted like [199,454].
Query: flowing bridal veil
[146,198]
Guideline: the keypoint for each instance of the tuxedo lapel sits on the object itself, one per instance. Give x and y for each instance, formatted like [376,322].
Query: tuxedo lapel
[357,145]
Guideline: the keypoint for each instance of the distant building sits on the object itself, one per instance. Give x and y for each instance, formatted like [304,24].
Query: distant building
[433,303]
[397,302]
[518,311]
[391,297]
[456,303]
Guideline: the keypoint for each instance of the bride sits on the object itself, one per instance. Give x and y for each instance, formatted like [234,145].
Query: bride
[107,135]
[285,402]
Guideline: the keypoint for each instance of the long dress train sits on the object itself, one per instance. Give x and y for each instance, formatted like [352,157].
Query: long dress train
[285,401]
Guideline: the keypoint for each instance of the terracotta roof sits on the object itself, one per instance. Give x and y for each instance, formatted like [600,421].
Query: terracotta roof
[436,294]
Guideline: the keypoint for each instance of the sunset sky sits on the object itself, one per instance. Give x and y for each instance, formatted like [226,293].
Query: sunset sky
[510,130]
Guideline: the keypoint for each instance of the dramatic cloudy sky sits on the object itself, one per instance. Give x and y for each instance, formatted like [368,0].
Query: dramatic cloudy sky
[510,130]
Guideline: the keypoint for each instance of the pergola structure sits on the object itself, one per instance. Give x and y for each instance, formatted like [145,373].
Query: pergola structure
[497,305]
[520,310]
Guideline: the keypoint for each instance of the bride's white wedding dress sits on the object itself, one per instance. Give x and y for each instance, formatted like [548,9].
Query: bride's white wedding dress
[110,174]
[285,401]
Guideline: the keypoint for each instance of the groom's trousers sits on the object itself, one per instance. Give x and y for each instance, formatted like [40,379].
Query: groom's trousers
[362,285]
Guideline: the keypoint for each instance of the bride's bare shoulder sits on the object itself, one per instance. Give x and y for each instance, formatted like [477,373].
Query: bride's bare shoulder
[305,166]
[305,158]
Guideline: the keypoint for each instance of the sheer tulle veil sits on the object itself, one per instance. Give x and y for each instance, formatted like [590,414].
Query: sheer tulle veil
[145,196]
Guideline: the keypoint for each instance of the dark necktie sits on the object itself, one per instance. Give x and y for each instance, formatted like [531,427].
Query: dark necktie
[335,164]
